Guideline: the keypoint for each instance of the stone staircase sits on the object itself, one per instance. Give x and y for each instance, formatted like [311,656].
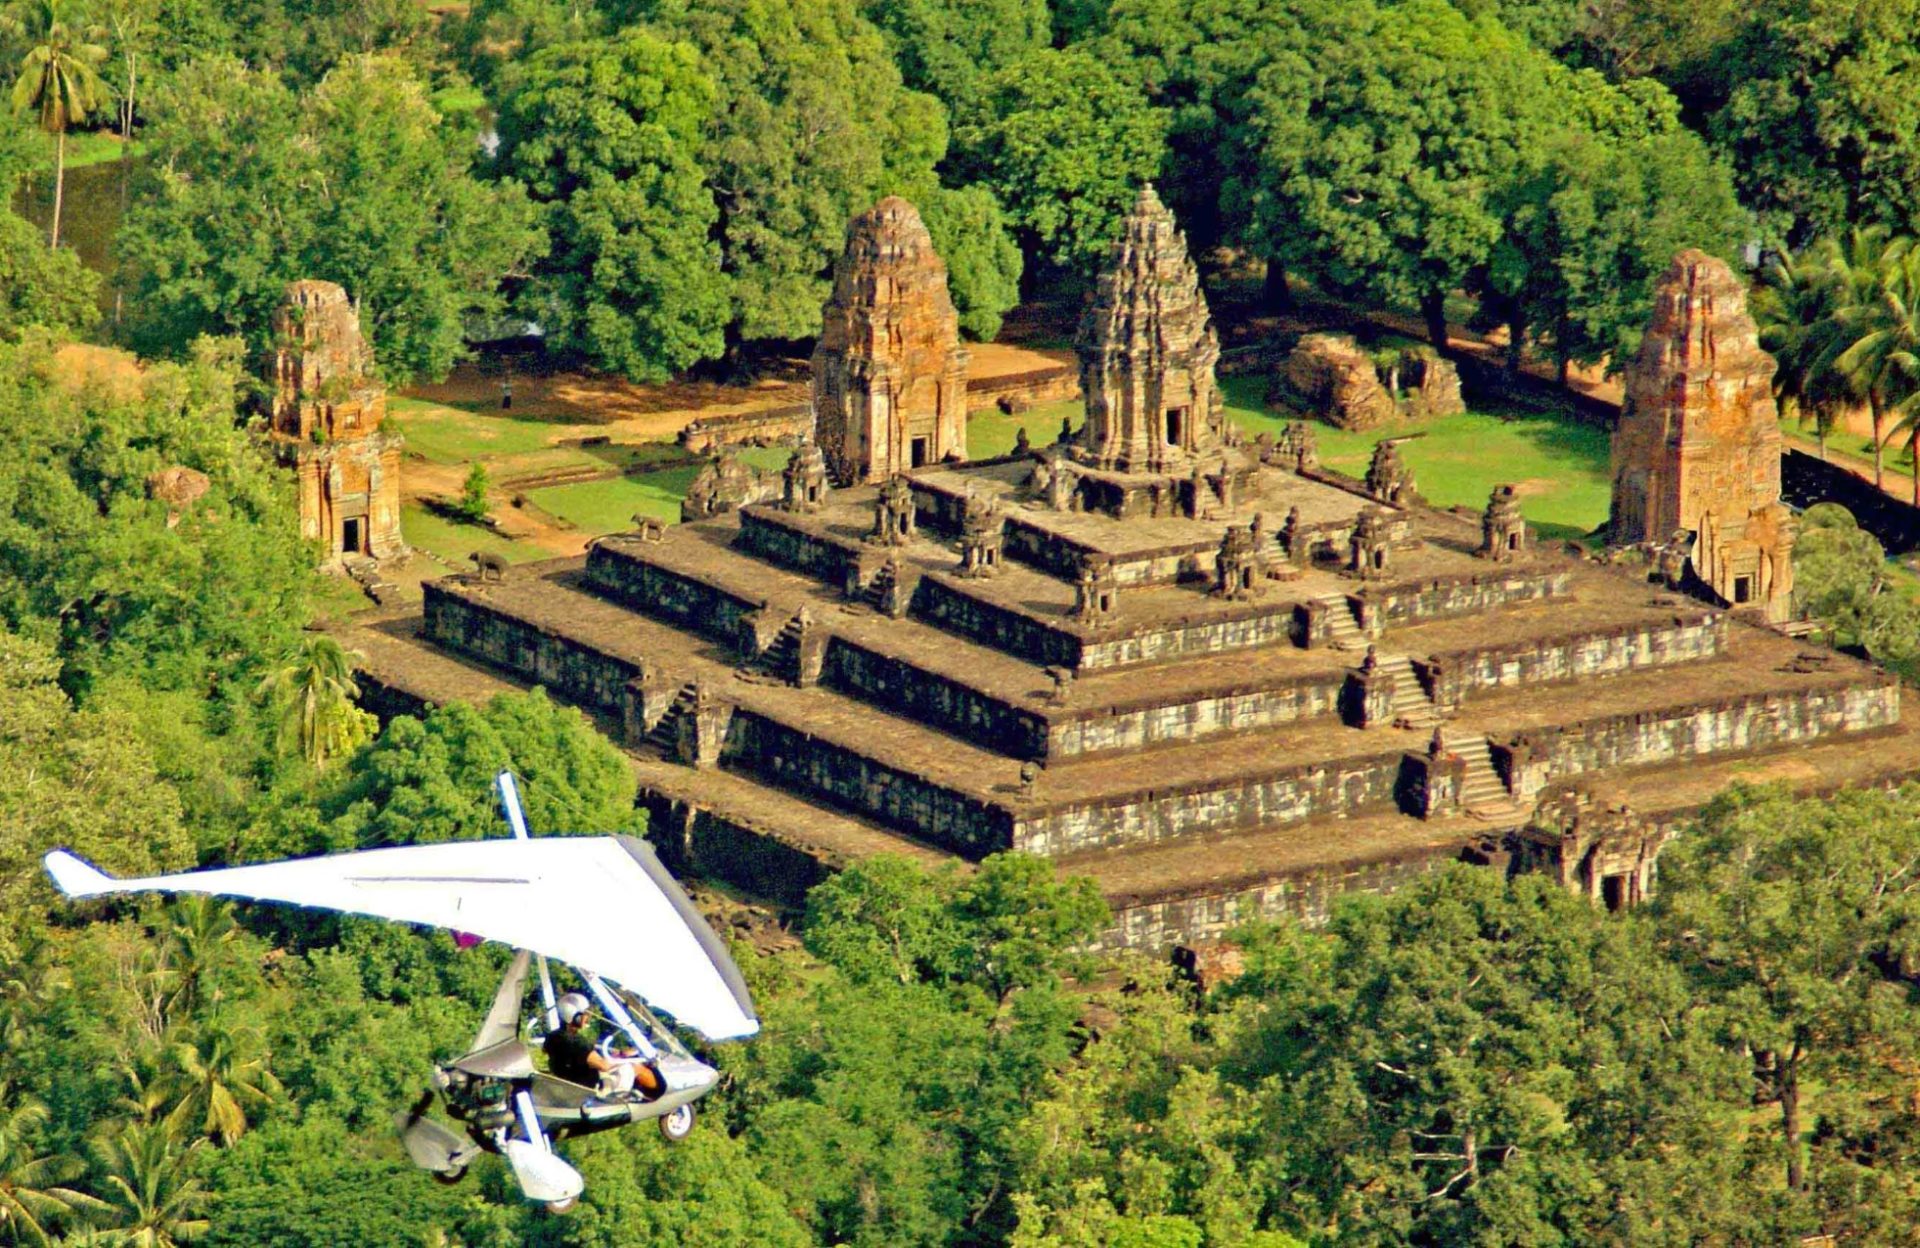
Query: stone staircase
[665,733]
[1482,792]
[1343,631]
[1411,705]
[781,659]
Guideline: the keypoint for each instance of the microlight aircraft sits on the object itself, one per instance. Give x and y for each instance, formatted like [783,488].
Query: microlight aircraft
[601,904]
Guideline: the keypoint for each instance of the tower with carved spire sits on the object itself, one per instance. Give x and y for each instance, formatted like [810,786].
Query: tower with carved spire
[1147,351]
[889,373]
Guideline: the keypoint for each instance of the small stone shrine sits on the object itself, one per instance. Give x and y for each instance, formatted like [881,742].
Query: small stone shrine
[1594,846]
[805,478]
[326,423]
[1503,530]
[889,373]
[1697,449]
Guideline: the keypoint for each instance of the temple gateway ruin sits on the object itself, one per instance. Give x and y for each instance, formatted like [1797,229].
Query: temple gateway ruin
[327,423]
[1216,677]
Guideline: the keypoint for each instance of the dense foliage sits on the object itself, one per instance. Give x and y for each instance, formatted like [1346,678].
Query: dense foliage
[658,185]
[665,183]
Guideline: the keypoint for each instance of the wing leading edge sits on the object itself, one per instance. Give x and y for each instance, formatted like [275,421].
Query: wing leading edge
[601,903]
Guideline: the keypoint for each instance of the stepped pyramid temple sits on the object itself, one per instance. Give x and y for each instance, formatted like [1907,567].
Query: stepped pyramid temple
[1696,457]
[889,373]
[1215,676]
[327,424]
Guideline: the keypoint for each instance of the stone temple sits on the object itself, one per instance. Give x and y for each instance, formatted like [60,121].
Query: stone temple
[1147,351]
[889,373]
[1696,456]
[327,424]
[1224,691]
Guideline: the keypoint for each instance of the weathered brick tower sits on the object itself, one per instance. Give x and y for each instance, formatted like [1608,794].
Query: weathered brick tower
[1696,457]
[1147,351]
[889,373]
[327,418]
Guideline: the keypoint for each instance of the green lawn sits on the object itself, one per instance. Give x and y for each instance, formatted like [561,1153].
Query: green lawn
[460,101]
[454,542]
[89,147]
[1560,466]
[448,435]
[990,434]
[609,506]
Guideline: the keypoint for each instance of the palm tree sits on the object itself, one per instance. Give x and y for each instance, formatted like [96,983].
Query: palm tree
[1793,309]
[315,693]
[218,1076]
[198,928]
[1857,272]
[57,81]
[30,1191]
[1889,352]
[154,1200]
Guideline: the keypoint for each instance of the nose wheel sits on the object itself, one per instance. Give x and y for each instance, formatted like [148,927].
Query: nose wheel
[677,1125]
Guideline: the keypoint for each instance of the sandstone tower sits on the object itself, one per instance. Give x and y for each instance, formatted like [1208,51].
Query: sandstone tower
[889,374]
[1147,351]
[326,425]
[1696,457]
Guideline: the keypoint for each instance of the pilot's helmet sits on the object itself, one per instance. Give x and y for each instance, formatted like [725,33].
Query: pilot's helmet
[571,1006]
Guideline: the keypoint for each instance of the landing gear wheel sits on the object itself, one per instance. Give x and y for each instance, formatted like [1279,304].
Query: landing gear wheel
[677,1125]
[450,1177]
[561,1206]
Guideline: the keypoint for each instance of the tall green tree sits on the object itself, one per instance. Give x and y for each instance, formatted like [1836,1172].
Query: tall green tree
[81,779]
[126,589]
[1472,1061]
[1861,337]
[1593,212]
[1380,166]
[608,137]
[155,1200]
[59,83]
[1798,918]
[33,1191]
[1840,577]
[313,697]
[947,48]
[1882,357]
[431,779]
[811,125]
[39,285]
[1066,145]
[359,180]
[1818,114]
[219,1075]
[1793,309]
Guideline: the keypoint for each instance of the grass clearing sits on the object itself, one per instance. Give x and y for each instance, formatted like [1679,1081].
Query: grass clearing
[452,542]
[609,506]
[88,147]
[991,433]
[335,598]
[449,435]
[1560,467]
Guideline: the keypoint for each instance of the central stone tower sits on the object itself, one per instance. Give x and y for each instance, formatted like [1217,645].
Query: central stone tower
[327,418]
[1696,456]
[1147,350]
[889,373]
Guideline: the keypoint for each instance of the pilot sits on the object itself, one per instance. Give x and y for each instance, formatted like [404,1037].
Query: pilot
[572,1055]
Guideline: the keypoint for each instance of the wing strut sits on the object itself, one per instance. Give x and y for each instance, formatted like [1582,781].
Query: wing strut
[517,820]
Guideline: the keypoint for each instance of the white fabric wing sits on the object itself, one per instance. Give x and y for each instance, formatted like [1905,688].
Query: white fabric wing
[601,903]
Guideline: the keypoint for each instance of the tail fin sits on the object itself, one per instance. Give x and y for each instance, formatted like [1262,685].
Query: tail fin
[76,877]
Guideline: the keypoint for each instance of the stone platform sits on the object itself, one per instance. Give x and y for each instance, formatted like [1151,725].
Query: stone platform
[795,695]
